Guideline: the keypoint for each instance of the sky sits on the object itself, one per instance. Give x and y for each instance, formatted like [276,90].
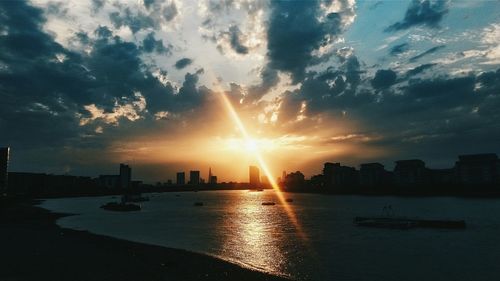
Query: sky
[86,85]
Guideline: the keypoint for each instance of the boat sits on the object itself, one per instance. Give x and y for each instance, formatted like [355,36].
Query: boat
[199,204]
[407,223]
[268,203]
[121,207]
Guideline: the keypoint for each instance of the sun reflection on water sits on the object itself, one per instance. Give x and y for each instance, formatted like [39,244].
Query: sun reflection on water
[251,233]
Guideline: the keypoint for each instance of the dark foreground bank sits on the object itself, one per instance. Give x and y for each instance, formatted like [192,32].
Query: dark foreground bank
[33,247]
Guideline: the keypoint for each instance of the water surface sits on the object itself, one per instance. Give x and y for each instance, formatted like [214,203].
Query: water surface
[234,226]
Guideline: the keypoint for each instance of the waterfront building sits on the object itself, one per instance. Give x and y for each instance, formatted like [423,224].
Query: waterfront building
[478,169]
[373,175]
[213,179]
[181,178]
[337,176]
[194,177]
[254,176]
[109,181]
[125,176]
[411,173]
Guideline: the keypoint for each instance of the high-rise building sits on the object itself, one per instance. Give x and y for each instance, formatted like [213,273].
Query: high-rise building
[125,176]
[194,177]
[254,176]
[212,179]
[181,178]
[4,165]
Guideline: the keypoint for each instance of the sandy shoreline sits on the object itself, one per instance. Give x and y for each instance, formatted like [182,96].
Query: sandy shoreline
[33,247]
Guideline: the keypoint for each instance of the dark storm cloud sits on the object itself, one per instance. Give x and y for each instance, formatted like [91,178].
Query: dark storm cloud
[45,86]
[331,91]
[441,115]
[189,95]
[427,52]
[150,44]
[398,49]
[180,64]
[294,31]
[422,12]
[235,41]
[419,69]
[384,78]
[27,52]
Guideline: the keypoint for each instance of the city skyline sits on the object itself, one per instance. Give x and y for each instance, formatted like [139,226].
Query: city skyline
[470,169]
[155,84]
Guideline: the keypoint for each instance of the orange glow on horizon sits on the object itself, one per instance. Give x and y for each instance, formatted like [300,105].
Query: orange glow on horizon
[262,164]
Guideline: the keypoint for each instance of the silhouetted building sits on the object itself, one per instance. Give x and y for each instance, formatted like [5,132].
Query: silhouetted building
[254,176]
[213,180]
[135,184]
[4,166]
[43,184]
[338,177]
[373,175]
[194,177]
[442,176]
[411,173]
[125,176]
[109,181]
[294,181]
[317,181]
[479,169]
[264,180]
[181,178]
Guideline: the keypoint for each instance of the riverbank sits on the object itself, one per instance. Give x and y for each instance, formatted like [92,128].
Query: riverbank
[33,247]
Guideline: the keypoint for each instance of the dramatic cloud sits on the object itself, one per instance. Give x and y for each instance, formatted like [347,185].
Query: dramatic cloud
[383,79]
[156,14]
[427,52]
[97,5]
[296,29]
[234,35]
[419,69]
[422,12]
[180,64]
[71,94]
[398,49]
[149,44]
[269,79]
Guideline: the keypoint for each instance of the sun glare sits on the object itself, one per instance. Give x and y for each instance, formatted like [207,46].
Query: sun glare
[251,145]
